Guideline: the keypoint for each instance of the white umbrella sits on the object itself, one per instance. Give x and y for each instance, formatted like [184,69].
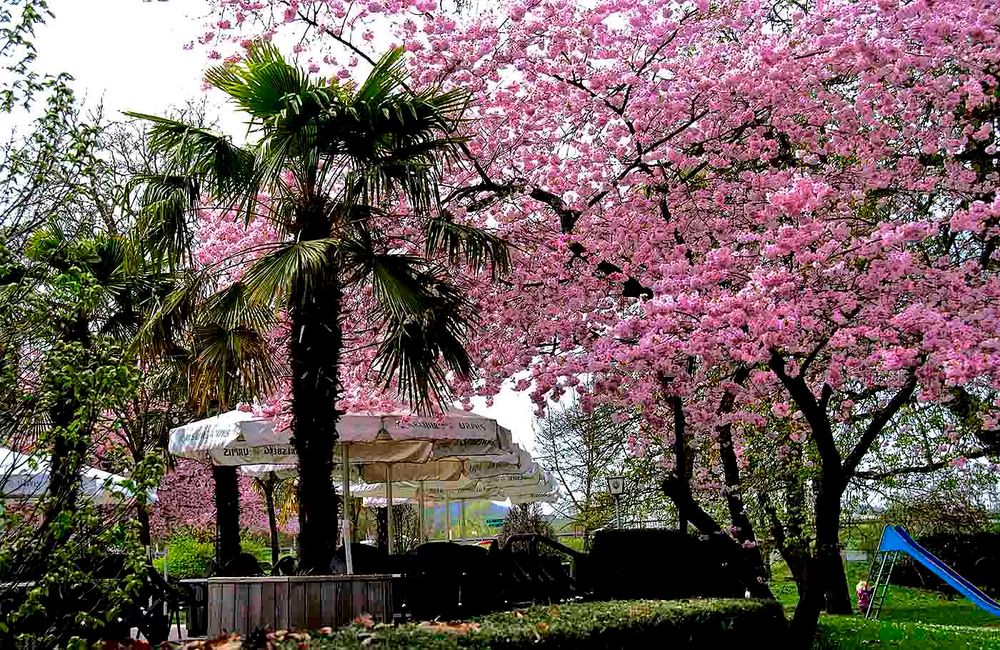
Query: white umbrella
[240,438]
[24,476]
[516,478]
[382,441]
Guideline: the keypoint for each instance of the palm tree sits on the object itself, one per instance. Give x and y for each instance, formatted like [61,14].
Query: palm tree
[212,351]
[351,153]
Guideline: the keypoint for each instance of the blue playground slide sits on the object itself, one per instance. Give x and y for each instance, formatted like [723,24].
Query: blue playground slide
[895,538]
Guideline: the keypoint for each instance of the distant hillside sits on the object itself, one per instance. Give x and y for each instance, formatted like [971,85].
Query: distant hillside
[476,515]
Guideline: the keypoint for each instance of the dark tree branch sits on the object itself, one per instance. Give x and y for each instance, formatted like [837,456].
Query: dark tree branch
[813,410]
[878,423]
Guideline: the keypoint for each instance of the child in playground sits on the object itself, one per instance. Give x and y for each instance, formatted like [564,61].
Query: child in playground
[864,592]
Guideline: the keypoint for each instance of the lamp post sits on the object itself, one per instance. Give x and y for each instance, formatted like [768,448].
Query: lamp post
[616,485]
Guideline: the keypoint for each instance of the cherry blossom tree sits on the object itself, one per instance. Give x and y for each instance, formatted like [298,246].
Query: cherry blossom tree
[185,499]
[743,219]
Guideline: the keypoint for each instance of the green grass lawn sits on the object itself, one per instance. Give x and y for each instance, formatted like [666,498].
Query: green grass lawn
[910,618]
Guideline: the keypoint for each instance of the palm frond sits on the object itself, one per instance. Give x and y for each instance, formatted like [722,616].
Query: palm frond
[418,352]
[226,171]
[304,265]
[386,76]
[163,227]
[425,321]
[230,365]
[400,283]
[475,247]
[394,139]
[261,82]
[170,314]
[235,307]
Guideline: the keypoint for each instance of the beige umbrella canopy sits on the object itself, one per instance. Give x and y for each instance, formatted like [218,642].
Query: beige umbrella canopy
[378,443]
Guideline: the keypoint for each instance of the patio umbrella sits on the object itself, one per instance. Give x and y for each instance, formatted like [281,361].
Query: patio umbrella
[240,438]
[26,476]
[384,440]
[515,477]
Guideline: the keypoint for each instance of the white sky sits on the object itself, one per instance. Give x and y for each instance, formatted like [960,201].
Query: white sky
[130,54]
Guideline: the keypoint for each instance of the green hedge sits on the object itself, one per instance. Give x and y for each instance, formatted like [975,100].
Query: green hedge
[188,556]
[615,624]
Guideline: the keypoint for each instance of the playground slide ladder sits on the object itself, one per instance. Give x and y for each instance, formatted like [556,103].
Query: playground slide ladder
[886,562]
[896,540]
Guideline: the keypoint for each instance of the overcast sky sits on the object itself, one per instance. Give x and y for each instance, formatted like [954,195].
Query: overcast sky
[129,53]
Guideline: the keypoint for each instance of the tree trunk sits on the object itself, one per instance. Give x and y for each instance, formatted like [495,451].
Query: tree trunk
[824,569]
[680,493]
[272,518]
[382,529]
[838,592]
[683,467]
[227,515]
[678,489]
[314,354]
[742,528]
[70,441]
[142,514]
[789,537]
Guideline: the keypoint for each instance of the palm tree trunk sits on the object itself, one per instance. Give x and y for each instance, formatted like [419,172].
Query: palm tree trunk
[227,515]
[382,529]
[314,355]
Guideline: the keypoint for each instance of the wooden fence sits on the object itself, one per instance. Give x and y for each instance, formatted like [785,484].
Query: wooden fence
[242,605]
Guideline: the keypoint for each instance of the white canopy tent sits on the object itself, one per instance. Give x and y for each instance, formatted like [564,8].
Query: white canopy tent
[26,476]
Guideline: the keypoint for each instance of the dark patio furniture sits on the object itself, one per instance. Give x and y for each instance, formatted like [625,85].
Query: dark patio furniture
[243,565]
[661,564]
[197,606]
[284,567]
[445,579]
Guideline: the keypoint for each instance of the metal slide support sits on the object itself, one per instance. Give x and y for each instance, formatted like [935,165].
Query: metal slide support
[881,587]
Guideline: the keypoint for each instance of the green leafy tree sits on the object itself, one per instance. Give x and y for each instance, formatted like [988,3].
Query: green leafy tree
[64,299]
[525,518]
[582,449]
[334,160]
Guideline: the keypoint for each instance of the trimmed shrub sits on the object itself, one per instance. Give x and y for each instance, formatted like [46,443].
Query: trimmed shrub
[975,557]
[188,556]
[600,625]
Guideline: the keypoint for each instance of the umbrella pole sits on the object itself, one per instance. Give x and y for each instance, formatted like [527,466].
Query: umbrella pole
[346,506]
[461,521]
[447,517]
[420,506]
[388,476]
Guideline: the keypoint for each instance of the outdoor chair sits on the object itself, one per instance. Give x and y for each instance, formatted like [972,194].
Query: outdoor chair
[445,579]
[284,567]
[532,571]
[366,558]
[158,606]
[243,565]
